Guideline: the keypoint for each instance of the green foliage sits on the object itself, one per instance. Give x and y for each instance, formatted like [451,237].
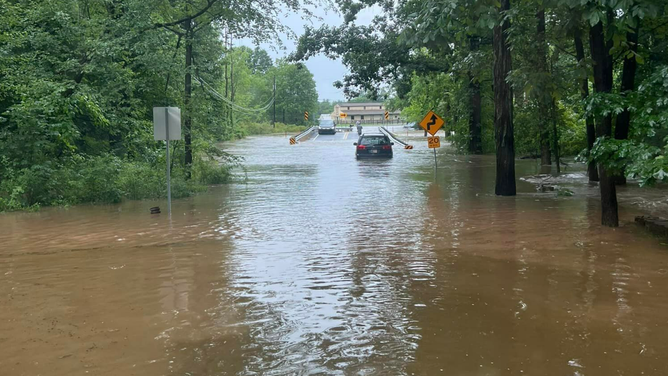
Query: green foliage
[251,129]
[79,79]
[644,155]
[296,93]
[434,53]
[139,181]
[211,172]
[102,180]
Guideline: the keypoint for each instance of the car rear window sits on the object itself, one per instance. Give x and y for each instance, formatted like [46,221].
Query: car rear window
[375,140]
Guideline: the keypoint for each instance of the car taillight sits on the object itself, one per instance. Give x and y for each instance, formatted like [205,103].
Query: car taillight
[361,147]
[387,147]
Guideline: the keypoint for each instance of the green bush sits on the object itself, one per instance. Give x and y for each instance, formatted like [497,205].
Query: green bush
[211,172]
[250,129]
[101,180]
[139,181]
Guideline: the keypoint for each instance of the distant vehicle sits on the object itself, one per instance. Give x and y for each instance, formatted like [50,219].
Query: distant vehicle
[326,127]
[373,146]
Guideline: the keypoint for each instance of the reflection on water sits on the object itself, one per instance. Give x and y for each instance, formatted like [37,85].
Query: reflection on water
[321,264]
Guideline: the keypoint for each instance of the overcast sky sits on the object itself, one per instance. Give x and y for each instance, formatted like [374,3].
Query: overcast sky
[325,71]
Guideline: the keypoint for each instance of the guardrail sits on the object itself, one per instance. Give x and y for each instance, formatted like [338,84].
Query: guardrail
[395,138]
[370,121]
[295,139]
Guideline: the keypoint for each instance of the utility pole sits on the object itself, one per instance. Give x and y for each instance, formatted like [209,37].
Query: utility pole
[273,123]
[232,90]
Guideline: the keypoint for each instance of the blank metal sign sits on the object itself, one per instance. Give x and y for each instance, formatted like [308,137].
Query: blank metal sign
[159,130]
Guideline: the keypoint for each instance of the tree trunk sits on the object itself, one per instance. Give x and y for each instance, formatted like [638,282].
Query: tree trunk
[503,110]
[584,92]
[600,53]
[628,84]
[543,99]
[555,130]
[475,105]
[187,124]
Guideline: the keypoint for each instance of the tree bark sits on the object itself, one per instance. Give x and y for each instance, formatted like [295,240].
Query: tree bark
[475,105]
[555,136]
[592,171]
[187,124]
[543,104]
[628,84]
[600,53]
[503,110]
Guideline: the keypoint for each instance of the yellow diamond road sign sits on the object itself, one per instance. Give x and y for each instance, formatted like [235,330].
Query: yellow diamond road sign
[432,123]
[343,115]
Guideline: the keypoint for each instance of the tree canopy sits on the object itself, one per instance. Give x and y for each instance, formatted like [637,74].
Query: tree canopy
[583,77]
[79,79]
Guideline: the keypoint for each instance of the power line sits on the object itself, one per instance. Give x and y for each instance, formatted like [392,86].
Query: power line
[233,105]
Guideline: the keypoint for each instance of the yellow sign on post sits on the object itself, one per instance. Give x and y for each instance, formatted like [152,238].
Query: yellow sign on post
[434,142]
[306,115]
[432,123]
[387,115]
[343,115]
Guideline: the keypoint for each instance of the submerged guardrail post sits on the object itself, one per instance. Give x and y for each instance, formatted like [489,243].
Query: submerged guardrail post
[395,138]
[295,139]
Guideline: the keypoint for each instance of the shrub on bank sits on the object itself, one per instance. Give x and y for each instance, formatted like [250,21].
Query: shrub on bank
[102,180]
[109,179]
[251,129]
[211,172]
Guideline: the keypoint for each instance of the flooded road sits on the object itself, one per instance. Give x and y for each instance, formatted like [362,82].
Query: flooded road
[320,264]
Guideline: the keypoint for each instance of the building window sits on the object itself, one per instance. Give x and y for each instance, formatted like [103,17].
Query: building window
[352,117]
[365,107]
[362,117]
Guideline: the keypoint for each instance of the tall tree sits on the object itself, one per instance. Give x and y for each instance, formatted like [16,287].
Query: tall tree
[623,122]
[503,107]
[603,69]
[592,170]
[475,102]
[295,90]
[544,96]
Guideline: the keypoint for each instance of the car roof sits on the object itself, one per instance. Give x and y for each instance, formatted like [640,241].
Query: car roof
[373,135]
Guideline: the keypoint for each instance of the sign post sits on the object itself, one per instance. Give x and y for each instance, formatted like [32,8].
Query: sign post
[434,142]
[432,123]
[167,126]
[169,172]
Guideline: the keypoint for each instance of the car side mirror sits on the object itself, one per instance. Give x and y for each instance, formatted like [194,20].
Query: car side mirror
[391,143]
[355,143]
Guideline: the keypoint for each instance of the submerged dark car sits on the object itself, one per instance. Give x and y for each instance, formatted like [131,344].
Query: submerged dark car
[373,146]
[326,127]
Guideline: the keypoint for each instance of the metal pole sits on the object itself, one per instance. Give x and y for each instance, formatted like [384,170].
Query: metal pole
[273,123]
[169,183]
[435,161]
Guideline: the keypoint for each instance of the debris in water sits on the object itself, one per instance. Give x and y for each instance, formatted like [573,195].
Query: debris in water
[655,225]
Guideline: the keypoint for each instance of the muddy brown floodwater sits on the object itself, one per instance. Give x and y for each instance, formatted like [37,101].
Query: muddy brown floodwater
[320,264]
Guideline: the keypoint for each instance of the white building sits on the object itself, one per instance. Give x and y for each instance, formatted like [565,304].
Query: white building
[372,111]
